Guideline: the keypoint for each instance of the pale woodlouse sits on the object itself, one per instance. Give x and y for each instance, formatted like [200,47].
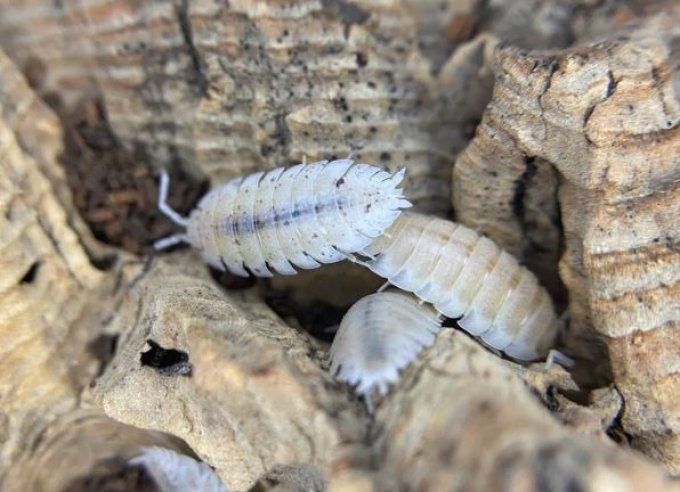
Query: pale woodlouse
[304,215]
[380,335]
[174,472]
[467,276]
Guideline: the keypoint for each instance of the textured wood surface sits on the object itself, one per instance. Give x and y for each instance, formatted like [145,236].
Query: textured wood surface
[573,167]
[236,87]
[592,131]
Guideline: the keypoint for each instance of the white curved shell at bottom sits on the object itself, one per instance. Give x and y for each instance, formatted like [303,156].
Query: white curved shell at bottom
[380,335]
[301,216]
[174,472]
[467,276]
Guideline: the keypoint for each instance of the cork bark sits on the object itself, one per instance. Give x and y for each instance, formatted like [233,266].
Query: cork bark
[551,126]
[592,132]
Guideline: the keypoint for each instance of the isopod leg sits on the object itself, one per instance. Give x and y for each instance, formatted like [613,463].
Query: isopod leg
[163,206]
[384,286]
[368,402]
[169,241]
[146,267]
[352,258]
[557,357]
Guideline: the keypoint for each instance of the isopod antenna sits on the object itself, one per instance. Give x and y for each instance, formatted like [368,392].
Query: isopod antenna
[170,213]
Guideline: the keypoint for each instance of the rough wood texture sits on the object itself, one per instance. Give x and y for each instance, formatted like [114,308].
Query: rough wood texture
[227,376]
[234,87]
[595,130]
[38,134]
[498,437]
[256,399]
[44,271]
[587,136]
[50,298]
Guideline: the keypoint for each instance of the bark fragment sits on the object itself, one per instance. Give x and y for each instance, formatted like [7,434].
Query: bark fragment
[461,420]
[605,116]
[253,399]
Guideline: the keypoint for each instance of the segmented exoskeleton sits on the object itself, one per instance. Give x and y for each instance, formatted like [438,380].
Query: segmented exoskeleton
[380,335]
[174,472]
[467,276]
[301,216]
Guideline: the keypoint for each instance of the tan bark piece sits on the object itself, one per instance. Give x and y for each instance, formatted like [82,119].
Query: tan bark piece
[461,420]
[235,87]
[39,135]
[51,298]
[600,121]
[244,395]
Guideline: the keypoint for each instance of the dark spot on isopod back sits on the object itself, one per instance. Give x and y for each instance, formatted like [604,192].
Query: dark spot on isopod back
[31,273]
[339,182]
[169,362]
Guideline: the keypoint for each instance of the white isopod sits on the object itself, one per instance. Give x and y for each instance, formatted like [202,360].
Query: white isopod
[304,216]
[380,335]
[174,472]
[467,276]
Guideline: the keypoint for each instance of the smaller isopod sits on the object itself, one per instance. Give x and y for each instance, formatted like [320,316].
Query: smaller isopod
[467,276]
[301,216]
[174,472]
[379,336]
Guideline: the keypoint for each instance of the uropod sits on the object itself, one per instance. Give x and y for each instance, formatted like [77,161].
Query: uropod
[467,276]
[380,335]
[301,216]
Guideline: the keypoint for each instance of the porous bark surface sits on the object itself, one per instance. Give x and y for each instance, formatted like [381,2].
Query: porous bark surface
[248,393]
[581,148]
[231,88]
[573,168]
[222,372]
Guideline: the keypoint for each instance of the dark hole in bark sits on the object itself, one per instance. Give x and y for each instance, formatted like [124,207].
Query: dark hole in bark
[169,362]
[31,273]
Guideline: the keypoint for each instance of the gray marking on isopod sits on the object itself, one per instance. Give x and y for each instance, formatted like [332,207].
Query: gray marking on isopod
[379,336]
[301,217]
[467,276]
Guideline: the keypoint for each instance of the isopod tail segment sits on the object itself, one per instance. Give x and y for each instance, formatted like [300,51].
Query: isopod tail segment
[165,208]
